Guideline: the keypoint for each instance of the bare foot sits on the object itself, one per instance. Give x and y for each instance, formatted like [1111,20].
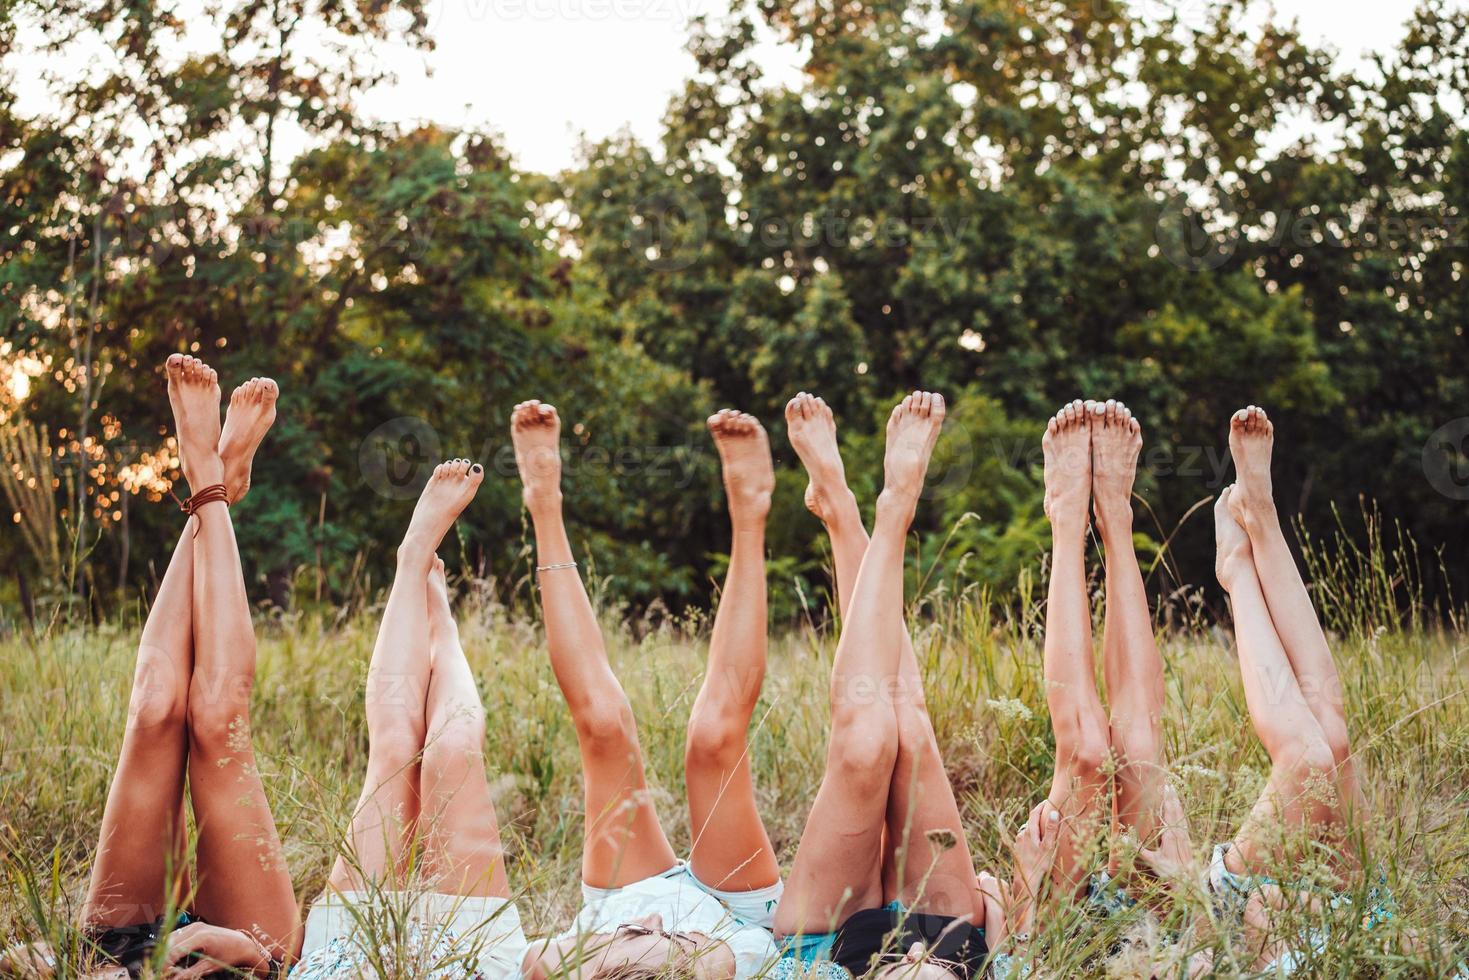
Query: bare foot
[250,416]
[193,391]
[913,429]
[813,433]
[444,498]
[535,430]
[1116,440]
[1068,455]
[744,454]
[1251,439]
[1232,555]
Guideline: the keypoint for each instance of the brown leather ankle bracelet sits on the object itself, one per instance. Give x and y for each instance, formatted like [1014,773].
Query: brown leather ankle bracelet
[217,492]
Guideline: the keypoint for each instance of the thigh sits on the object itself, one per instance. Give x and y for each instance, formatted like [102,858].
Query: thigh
[838,866]
[465,853]
[624,840]
[731,849]
[141,860]
[933,870]
[380,836]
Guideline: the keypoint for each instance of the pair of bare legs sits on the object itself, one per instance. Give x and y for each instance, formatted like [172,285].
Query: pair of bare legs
[884,789]
[624,841]
[1091,451]
[426,819]
[919,798]
[1291,684]
[189,711]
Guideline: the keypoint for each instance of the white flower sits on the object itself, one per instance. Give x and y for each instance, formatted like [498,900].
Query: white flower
[1012,708]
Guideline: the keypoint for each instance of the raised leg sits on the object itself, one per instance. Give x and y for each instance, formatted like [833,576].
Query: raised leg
[1252,504]
[133,881]
[243,880]
[1300,794]
[928,876]
[731,850]
[1130,662]
[624,840]
[385,820]
[1077,718]
[838,866]
[464,851]
[142,857]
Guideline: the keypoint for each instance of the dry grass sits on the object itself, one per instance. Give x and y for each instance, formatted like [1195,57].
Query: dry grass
[64,698]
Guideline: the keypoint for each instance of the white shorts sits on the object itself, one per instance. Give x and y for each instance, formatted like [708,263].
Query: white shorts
[442,936]
[751,908]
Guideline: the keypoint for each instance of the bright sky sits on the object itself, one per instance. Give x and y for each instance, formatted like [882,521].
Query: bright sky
[543,73]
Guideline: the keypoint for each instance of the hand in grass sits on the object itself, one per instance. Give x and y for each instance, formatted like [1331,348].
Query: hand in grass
[200,949]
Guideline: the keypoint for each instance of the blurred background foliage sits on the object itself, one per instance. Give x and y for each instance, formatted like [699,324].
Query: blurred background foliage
[1015,203]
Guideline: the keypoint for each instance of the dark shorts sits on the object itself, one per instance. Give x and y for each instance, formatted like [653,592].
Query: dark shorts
[889,930]
[131,947]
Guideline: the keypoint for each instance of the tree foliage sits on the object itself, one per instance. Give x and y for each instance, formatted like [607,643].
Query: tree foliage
[1014,203]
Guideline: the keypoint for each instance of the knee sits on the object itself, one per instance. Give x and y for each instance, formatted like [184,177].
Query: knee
[394,740]
[714,741]
[605,725]
[1087,752]
[864,750]
[452,750]
[1310,757]
[159,699]
[1338,742]
[220,717]
[1137,740]
[915,733]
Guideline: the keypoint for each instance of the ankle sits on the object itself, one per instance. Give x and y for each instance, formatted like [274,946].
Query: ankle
[207,473]
[416,553]
[1115,526]
[895,506]
[1067,529]
[747,526]
[843,514]
[543,505]
[1259,518]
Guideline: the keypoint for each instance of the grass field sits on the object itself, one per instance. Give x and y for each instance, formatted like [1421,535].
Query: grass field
[64,697]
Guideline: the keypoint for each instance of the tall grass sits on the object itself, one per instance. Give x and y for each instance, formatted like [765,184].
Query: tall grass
[64,700]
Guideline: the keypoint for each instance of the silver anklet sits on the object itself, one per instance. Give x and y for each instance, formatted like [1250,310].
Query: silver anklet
[552,568]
